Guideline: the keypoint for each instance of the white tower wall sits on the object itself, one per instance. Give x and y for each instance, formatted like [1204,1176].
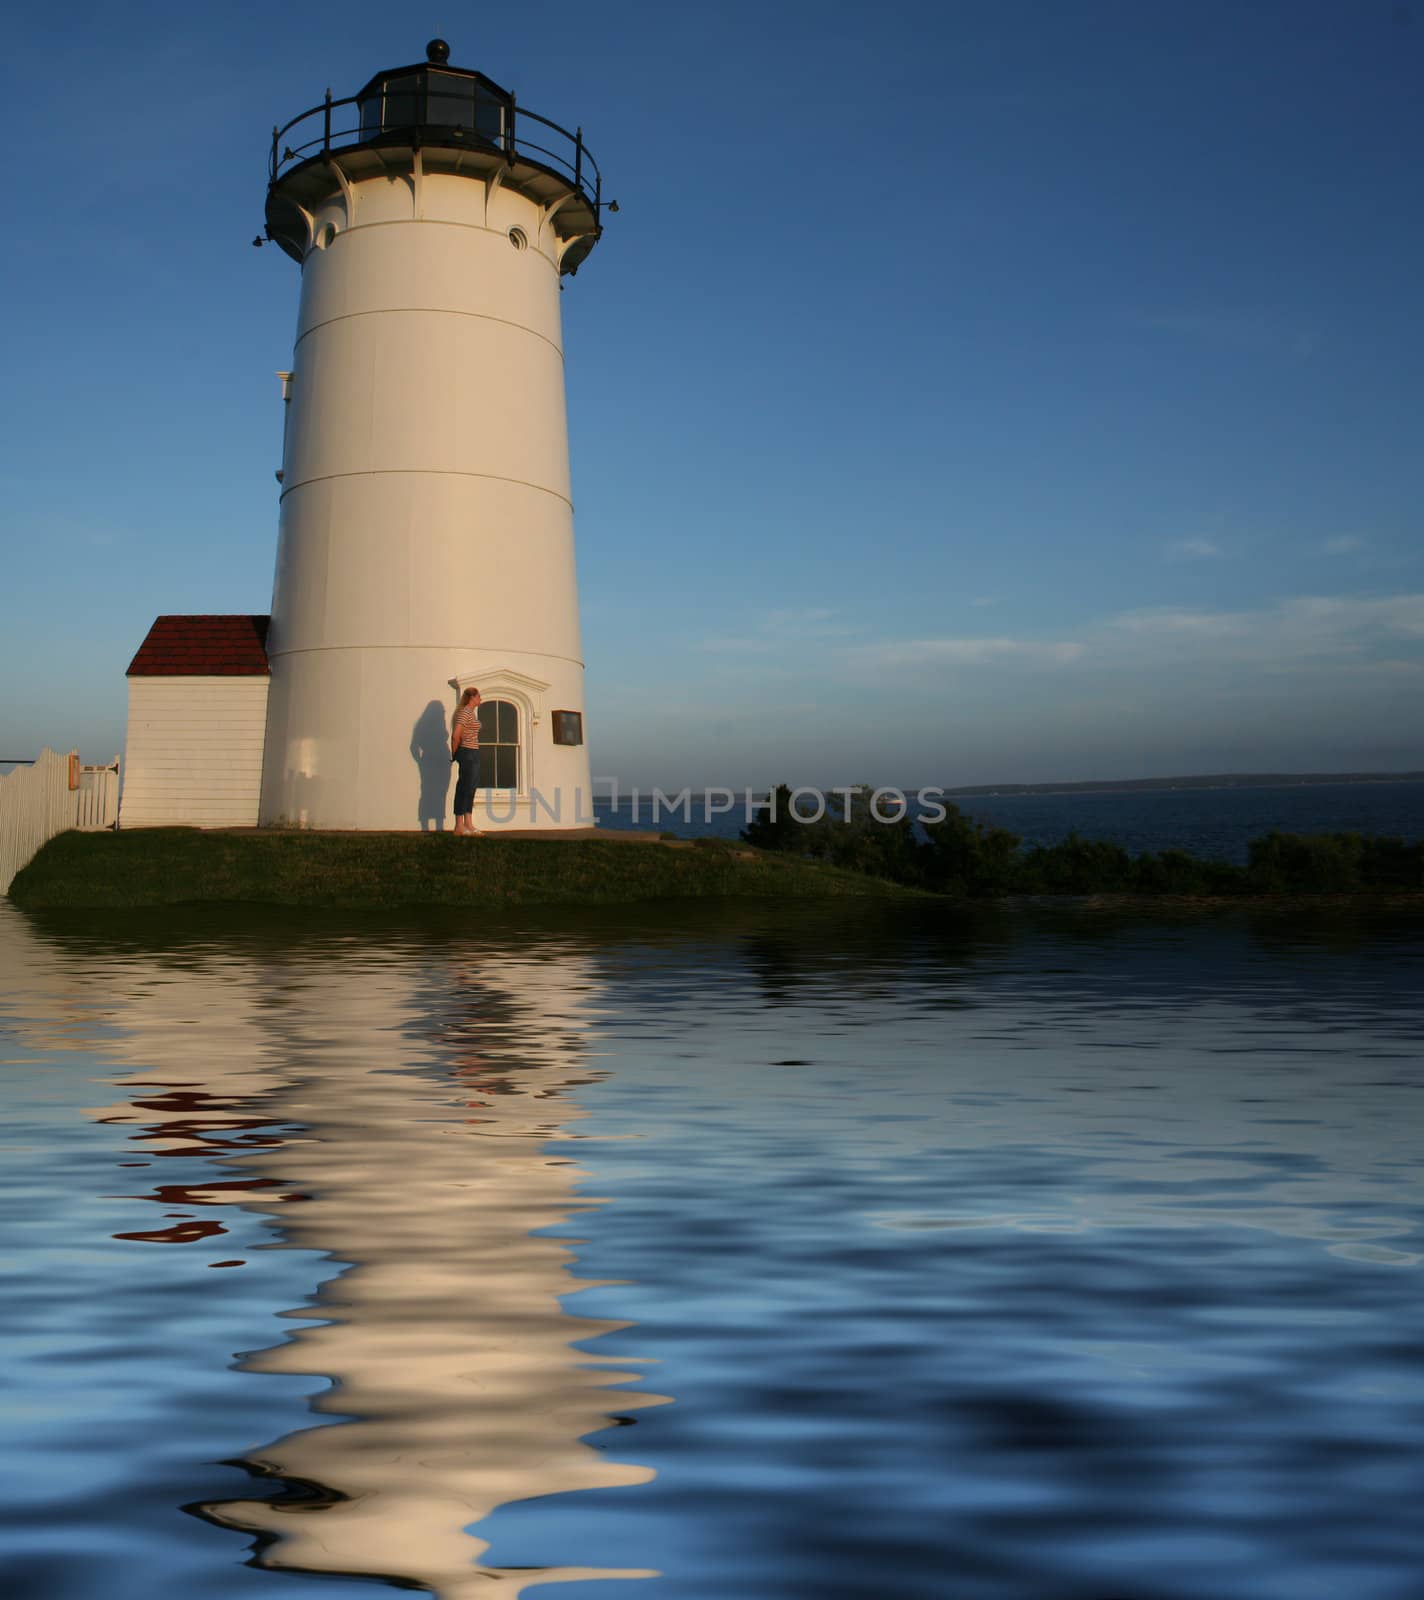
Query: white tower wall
[426,530]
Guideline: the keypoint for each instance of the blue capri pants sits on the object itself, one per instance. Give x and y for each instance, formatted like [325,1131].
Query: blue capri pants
[467,766]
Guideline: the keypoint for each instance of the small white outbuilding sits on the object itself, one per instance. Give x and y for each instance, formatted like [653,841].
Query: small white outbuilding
[197,721]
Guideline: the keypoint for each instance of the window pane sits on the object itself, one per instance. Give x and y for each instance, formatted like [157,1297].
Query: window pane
[506,766]
[486,766]
[489,119]
[499,722]
[402,107]
[452,101]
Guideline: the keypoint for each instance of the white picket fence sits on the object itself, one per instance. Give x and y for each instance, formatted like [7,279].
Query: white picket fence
[51,795]
[97,798]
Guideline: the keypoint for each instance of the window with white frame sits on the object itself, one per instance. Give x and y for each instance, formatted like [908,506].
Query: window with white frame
[499,744]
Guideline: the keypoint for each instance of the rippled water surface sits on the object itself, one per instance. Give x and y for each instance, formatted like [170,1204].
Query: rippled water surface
[707,1252]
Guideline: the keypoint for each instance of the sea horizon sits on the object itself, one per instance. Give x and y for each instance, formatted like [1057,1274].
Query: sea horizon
[1210,780]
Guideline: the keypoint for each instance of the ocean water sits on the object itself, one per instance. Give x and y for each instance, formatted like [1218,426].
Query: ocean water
[1213,823]
[691,1252]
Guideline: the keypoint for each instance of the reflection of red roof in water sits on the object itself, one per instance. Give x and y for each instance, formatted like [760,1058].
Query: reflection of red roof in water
[203,647]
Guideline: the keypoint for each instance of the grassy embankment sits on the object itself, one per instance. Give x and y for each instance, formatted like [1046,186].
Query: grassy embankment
[957,859]
[178,866]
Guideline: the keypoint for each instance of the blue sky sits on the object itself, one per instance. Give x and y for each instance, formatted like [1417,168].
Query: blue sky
[963,392]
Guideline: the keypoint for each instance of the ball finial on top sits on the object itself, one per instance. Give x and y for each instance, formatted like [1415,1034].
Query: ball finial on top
[438,52]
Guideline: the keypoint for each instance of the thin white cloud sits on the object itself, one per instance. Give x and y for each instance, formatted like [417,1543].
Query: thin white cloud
[1301,636]
[1300,628]
[1165,621]
[963,652]
[1389,667]
[736,644]
[1233,330]
[786,625]
[803,619]
[1192,550]
[1346,544]
[1401,615]
[1305,681]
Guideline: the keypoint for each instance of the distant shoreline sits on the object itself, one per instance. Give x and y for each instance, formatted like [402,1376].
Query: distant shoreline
[1219,780]
[1215,780]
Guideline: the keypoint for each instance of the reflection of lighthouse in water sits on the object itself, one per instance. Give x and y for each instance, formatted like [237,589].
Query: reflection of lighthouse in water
[428,1098]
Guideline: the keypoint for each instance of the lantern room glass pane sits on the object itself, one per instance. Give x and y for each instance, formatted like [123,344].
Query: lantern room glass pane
[489,118]
[371,114]
[432,100]
[452,101]
[402,101]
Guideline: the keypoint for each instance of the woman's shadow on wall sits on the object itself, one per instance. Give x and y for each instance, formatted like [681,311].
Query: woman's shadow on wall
[430,750]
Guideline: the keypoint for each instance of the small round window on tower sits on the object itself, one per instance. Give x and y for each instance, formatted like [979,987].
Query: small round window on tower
[518,238]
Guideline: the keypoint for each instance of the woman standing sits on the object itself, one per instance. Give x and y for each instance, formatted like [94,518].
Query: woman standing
[465,752]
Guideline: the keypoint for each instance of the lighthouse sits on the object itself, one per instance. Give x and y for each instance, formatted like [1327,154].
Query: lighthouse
[425,539]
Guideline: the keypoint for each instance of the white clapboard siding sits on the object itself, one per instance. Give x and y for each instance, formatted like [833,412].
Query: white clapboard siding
[36,803]
[194,752]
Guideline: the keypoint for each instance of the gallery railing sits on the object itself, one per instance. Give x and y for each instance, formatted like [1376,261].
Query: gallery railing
[419,109]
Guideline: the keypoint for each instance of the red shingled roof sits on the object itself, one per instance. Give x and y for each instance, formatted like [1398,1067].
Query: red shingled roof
[203,647]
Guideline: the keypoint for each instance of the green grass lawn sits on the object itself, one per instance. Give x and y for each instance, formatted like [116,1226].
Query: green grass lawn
[180,866]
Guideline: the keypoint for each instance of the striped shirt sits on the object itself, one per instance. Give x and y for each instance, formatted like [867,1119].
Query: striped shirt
[465,734]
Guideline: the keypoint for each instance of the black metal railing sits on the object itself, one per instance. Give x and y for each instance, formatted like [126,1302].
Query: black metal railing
[415,106]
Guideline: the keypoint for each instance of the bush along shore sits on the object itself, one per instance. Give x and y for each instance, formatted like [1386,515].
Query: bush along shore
[179,866]
[959,856]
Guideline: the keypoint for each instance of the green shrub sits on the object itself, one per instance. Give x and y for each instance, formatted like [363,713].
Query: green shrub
[857,842]
[776,828]
[1391,864]
[1176,872]
[960,856]
[964,857]
[1077,866]
[1334,863]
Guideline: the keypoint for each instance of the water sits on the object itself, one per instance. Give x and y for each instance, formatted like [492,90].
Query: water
[1212,823]
[712,1251]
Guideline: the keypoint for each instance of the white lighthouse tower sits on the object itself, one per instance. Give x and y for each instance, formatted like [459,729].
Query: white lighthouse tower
[426,532]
